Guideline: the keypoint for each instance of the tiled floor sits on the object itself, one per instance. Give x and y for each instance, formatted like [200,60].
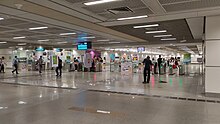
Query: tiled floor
[75,98]
[33,105]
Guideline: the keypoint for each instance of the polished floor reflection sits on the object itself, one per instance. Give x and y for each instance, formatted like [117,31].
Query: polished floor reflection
[174,85]
[105,97]
[34,105]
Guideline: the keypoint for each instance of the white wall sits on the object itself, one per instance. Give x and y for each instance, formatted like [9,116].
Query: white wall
[212,65]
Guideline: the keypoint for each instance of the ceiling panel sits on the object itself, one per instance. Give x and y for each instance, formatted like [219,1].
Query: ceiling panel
[55,30]
[25,33]
[11,21]
[173,5]
[178,28]
[27,25]
[3,35]
[5,29]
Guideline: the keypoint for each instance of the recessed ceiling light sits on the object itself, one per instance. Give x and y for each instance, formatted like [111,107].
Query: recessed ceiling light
[152,32]
[135,17]
[38,28]
[103,40]
[18,38]
[43,40]
[147,26]
[62,42]
[98,2]
[114,42]
[164,35]
[63,34]
[169,39]
[3,42]
[1,18]
[92,37]
[182,41]
[22,44]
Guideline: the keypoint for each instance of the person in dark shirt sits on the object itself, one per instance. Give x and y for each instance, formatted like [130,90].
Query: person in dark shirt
[159,61]
[148,63]
[59,67]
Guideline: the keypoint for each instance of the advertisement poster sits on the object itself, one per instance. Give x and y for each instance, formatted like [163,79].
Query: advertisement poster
[54,61]
[68,59]
[135,58]
[88,60]
[187,58]
[126,68]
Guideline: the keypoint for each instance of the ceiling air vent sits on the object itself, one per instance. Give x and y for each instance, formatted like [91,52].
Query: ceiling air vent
[120,10]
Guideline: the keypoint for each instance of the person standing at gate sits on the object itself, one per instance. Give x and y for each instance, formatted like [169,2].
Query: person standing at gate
[59,67]
[159,62]
[148,63]
[40,64]
[15,65]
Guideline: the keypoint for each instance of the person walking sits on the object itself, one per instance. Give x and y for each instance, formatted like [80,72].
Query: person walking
[159,62]
[148,63]
[40,64]
[3,64]
[15,65]
[59,67]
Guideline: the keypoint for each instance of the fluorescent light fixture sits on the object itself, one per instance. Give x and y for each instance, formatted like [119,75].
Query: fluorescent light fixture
[103,40]
[153,32]
[3,42]
[64,34]
[182,41]
[22,102]
[22,44]
[164,35]
[135,17]
[92,37]
[18,38]
[62,42]
[147,26]
[38,28]
[114,42]
[98,2]
[1,18]
[103,112]
[43,40]
[169,39]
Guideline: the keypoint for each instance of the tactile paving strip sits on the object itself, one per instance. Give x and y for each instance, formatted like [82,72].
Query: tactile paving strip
[160,96]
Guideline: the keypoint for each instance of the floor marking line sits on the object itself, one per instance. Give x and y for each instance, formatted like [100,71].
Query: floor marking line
[160,96]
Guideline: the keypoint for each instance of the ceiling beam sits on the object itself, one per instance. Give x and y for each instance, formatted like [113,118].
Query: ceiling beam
[154,6]
[51,14]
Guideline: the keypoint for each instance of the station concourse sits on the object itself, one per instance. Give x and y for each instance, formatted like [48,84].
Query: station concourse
[84,61]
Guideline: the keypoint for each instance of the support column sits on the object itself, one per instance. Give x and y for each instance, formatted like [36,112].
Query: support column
[212,53]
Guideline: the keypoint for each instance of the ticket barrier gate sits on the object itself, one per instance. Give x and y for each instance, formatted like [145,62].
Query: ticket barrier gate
[171,70]
[162,68]
[181,70]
